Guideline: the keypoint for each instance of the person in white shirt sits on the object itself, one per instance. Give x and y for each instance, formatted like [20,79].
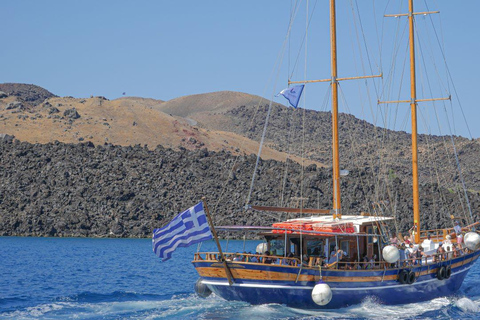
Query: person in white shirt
[427,243]
[410,253]
[448,241]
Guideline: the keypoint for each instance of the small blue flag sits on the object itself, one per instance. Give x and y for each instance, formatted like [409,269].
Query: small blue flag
[292,94]
[187,228]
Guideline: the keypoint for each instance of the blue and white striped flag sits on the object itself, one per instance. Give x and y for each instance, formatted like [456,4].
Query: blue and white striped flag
[188,228]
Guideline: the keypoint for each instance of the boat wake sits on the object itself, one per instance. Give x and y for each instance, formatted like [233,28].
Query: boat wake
[127,305]
[115,305]
[467,305]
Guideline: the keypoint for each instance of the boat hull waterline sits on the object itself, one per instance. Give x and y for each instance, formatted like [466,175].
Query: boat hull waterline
[264,284]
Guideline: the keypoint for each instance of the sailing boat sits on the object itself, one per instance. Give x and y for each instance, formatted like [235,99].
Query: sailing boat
[302,263]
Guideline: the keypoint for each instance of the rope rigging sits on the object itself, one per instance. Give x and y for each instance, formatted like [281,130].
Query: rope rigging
[384,160]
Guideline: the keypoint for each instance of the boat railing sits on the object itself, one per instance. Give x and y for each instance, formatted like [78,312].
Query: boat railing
[317,262]
[247,257]
[441,234]
[411,262]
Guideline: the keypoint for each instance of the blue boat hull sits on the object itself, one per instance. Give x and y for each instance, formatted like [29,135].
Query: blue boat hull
[262,284]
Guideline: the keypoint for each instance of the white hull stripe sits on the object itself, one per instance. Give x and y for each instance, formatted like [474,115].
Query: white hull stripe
[274,286]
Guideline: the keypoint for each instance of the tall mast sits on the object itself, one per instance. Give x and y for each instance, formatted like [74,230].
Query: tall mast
[413,107]
[337,210]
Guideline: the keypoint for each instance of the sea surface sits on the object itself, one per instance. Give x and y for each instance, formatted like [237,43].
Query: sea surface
[73,278]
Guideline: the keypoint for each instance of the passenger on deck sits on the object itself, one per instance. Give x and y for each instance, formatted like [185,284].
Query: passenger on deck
[366,265]
[412,232]
[394,240]
[448,245]
[349,265]
[456,251]
[282,261]
[448,241]
[427,243]
[244,256]
[305,260]
[372,262]
[267,259]
[420,255]
[440,252]
[406,240]
[449,253]
[409,253]
[285,261]
[401,250]
[335,256]
[458,232]
[237,257]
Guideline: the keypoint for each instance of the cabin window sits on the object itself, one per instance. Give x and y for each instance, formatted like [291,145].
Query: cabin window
[276,247]
[315,248]
[331,247]
[345,246]
[370,238]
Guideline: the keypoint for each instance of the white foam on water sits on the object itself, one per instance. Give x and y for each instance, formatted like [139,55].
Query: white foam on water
[467,305]
[84,310]
[193,307]
[372,309]
[265,311]
[37,311]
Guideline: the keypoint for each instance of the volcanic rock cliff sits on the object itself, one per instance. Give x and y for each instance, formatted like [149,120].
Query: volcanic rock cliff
[59,189]
[95,167]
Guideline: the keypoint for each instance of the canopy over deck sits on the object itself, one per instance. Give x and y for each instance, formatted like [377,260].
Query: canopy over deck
[357,221]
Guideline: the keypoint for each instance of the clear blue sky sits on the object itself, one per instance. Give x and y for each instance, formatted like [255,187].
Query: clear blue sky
[168,49]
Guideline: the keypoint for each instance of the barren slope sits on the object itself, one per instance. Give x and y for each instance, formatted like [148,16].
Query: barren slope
[214,102]
[124,121]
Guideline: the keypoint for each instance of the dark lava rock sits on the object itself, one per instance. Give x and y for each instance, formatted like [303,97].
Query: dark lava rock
[6,138]
[31,94]
[52,110]
[83,190]
[71,114]
[15,105]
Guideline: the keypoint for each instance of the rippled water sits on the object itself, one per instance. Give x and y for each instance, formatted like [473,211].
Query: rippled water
[53,278]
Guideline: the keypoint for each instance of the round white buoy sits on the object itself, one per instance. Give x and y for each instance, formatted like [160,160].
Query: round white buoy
[391,254]
[202,289]
[261,248]
[321,294]
[472,240]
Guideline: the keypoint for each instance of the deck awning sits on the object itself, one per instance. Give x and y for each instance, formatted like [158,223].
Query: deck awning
[293,231]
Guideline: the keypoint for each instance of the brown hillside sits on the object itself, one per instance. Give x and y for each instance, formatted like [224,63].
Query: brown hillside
[214,102]
[124,121]
[146,102]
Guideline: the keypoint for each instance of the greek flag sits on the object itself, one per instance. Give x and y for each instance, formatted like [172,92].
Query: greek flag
[292,94]
[187,228]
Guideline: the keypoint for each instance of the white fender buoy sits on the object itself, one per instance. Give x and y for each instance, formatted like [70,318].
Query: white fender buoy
[202,289]
[261,248]
[321,294]
[391,254]
[472,240]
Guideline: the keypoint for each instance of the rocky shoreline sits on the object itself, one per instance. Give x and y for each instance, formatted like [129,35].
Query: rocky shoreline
[83,190]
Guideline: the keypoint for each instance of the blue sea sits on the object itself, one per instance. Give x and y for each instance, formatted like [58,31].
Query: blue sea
[73,278]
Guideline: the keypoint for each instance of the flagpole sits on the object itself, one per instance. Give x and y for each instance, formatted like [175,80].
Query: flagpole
[222,257]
